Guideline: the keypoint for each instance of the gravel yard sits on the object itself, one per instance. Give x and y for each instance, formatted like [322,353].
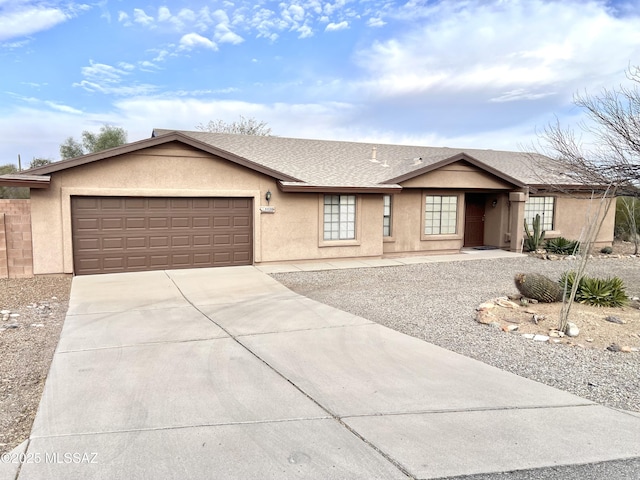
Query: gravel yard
[28,337]
[437,301]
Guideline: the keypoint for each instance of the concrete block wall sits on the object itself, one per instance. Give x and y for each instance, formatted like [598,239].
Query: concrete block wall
[16,250]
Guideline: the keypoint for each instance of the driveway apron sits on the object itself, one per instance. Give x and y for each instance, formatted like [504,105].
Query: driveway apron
[224,373]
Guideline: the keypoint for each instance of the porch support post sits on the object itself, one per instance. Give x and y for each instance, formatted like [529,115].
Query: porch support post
[517,200]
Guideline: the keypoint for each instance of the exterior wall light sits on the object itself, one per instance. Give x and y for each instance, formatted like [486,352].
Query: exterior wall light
[494,204]
[267,196]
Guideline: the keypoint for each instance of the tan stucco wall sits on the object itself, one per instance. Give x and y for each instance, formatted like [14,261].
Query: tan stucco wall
[291,233]
[408,225]
[573,212]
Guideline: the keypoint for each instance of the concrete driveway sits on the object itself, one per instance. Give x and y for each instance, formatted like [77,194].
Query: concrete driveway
[224,373]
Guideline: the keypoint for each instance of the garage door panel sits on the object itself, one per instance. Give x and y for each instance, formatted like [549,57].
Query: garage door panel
[180,240]
[118,234]
[159,242]
[180,222]
[92,224]
[89,244]
[116,223]
[134,204]
[158,222]
[111,203]
[157,203]
[136,242]
[111,243]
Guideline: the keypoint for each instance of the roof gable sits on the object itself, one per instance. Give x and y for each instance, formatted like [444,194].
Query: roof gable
[460,157]
[155,141]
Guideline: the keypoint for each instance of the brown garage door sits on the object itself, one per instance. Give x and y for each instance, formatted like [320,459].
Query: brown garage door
[128,234]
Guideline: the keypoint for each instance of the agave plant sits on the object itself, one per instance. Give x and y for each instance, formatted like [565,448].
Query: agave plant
[599,292]
[562,246]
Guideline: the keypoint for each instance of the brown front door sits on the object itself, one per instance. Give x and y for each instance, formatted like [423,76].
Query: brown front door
[129,234]
[474,220]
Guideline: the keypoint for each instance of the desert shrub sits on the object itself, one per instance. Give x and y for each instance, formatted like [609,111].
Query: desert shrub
[606,250]
[562,246]
[599,292]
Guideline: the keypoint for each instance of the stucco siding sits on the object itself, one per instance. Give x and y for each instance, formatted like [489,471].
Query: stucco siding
[573,212]
[291,233]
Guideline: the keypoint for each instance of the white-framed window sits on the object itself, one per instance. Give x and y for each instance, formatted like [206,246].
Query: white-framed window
[440,214]
[386,216]
[339,217]
[542,206]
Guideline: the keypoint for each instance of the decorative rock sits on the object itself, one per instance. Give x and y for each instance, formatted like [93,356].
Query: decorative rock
[5,312]
[507,303]
[485,317]
[625,349]
[14,315]
[614,347]
[589,340]
[554,257]
[556,333]
[37,324]
[12,325]
[510,328]
[614,319]
[486,306]
[540,338]
[528,336]
[495,325]
[572,330]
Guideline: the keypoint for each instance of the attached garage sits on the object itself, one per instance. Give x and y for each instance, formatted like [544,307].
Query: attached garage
[129,234]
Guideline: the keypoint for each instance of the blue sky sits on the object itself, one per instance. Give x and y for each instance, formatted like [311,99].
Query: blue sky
[475,74]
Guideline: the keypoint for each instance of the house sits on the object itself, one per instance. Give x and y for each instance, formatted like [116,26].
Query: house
[185,199]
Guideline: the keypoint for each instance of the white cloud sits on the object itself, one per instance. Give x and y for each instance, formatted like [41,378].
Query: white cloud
[163,14]
[123,18]
[19,20]
[502,50]
[139,16]
[63,108]
[224,35]
[305,31]
[332,27]
[376,22]
[194,40]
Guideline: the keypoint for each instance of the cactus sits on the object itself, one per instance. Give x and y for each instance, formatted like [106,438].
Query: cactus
[533,240]
[538,287]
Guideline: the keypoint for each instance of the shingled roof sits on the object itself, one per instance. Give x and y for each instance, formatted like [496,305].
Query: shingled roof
[328,163]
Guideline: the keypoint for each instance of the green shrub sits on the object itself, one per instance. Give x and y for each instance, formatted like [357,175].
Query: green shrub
[606,250]
[562,246]
[599,292]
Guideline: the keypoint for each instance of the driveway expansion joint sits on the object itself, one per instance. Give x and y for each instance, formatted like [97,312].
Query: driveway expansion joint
[334,416]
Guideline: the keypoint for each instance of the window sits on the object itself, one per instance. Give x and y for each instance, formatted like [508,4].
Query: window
[386,216]
[339,217]
[542,206]
[440,214]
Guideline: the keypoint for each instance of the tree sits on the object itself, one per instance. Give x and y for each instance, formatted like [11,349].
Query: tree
[244,126]
[109,137]
[12,192]
[39,162]
[610,164]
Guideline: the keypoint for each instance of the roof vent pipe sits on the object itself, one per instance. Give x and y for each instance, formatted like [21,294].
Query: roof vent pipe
[374,153]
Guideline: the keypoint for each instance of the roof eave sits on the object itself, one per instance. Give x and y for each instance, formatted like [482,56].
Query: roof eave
[304,188]
[27,181]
